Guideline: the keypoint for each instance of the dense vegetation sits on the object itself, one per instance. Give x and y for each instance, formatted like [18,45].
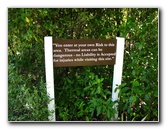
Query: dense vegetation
[82,93]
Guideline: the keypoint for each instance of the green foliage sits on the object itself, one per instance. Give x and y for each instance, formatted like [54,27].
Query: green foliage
[26,101]
[140,73]
[82,93]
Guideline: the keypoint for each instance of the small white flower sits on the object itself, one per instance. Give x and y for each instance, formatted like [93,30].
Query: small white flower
[17,53]
[28,106]
[142,103]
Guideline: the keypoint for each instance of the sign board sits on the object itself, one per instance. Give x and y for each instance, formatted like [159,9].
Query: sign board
[73,52]
[63,53]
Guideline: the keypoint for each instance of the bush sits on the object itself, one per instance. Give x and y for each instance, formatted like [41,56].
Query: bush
[26,101]
[82,93]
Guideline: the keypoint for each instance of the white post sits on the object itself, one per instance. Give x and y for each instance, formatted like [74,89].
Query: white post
[117,75]
[49,75]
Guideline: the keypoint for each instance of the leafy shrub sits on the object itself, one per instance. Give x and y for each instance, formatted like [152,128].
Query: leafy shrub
[82,93]
[86,96]
[26,101]
[139,92]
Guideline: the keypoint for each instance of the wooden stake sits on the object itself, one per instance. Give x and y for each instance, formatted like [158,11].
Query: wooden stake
[117,75]
[49,75]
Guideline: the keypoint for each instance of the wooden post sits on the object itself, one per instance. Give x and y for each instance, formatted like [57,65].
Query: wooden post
[49,75]
[117,75]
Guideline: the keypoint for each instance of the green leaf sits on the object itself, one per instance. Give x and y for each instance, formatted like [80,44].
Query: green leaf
[96,77]
[87,118]
[99,110]
[133,72]
[147,98]
[140,46]
[124,90]
[116,89]
[137,91]
[156,93]
[98,89]
[92,111]
[135,83]
[108,113]
[134,98]
[108,92]
[101,80]
[87,88]
[123,84]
